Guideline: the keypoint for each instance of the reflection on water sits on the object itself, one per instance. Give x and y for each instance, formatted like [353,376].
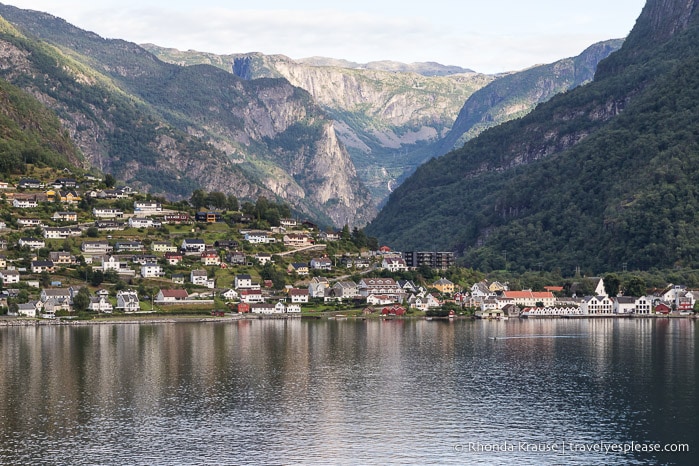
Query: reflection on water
[300,392]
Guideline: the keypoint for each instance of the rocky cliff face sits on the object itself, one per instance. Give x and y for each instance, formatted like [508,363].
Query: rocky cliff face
[516,94]
[170,129]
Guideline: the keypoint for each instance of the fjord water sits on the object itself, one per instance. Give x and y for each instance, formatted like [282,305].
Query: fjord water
[349,392]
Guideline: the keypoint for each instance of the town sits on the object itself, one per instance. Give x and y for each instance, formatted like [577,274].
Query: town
[81,247]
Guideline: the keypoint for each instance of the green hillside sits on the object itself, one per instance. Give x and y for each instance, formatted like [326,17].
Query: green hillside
[602,177]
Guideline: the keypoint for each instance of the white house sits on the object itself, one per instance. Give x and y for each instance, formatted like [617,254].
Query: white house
[230,295]
[151,270]
[321,263]
[25,203]
[394,264]
[32,243]
[251,296]
[318,286]
[242,281]
[9,277]
[193,246]
[128,301]
[98,212]
[298,295]
[624,305]
[198,277]
[257,237]
[100,304]
[143,222]
[147,206]
[596,305]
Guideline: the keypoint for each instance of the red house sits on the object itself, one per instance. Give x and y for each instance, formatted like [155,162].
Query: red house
[243,308]
[662,309]
[393,311]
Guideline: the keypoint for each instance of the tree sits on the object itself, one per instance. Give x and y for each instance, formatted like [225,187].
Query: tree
[611,284]
[198,199]
[232,203]
[635,287]
[45,279]
[109,180]
[81,300]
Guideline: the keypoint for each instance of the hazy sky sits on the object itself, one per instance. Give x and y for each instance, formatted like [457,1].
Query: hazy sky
[486,36]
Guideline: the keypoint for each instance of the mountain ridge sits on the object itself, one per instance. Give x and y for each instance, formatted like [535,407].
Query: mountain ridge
[600,177]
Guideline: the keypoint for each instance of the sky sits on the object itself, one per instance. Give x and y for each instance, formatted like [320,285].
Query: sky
[488,36]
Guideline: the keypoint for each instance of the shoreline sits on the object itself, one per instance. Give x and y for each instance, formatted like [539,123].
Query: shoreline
[145,320]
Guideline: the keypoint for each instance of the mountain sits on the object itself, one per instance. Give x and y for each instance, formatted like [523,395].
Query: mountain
[516,94]
[393,117]
[387,114]
[170,129]
[602,177]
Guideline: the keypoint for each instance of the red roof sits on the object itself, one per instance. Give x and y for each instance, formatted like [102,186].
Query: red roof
[177,294]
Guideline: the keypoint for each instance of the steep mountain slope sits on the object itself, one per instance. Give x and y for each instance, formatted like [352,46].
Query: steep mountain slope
[170,129]
[516,94]
[601,177]
[387,114]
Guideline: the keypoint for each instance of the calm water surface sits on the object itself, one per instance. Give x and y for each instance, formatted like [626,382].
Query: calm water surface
[350,392]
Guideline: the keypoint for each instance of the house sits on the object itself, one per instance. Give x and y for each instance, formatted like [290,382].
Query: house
[177,218]
[230,294]
[151,270]
[178,278]
[662,308]
[379,300]
[53,305]
[393,311]
[210,257]
[288,222]
[162,246]
[96,247]
[208,217]
[29,309]
[528,298]
[171,296]
[115,263]
[318,287]
[100,304]
[25,203]
[103,212]
[481,290]
[408,286]
[393,264]
[297,240]
[29,183]
[127,301]
[128,246]
[444,286]
[298,295]
[263,258]
[261,308]
[143,222]
[344,290]
[193,246]
[328,236]
[198,277]
[242,281]
[424,303]
[69,197]
[61,232]
[29,222]
[623,304]
[251,296]
[32,243]
[42,266]
[321,263]
[109,225]
[644,305]
[65,183]
[9,277]
[293,309]
[382,286]
[3,261]
[226,244]
[259,237]
[299,268]
[65,217]
[173,258]
[236,258]
[147,206]
[596,305]
[56,293]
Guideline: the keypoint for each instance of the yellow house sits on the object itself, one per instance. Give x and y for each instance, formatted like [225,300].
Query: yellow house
[444,285]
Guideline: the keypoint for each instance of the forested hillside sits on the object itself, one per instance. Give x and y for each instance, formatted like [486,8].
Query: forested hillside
[603,177]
